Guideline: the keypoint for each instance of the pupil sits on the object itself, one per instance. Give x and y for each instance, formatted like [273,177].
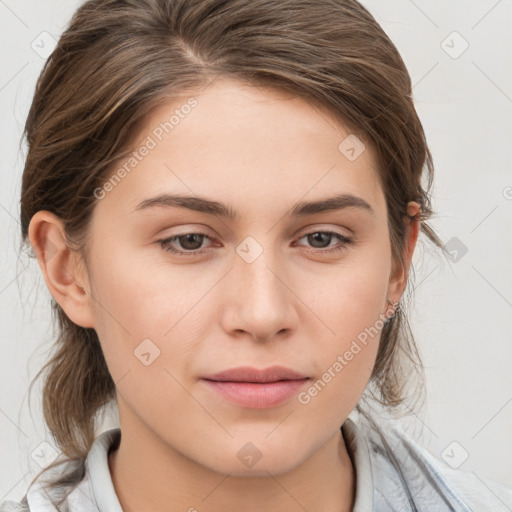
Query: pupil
[317,237]
[190,238]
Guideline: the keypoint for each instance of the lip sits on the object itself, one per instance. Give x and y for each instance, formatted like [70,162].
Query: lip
[249,374]
[257,389]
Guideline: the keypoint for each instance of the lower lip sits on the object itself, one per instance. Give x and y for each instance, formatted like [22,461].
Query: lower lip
[255,395]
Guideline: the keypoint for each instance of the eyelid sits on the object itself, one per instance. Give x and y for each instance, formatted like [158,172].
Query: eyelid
[343,239]
[199,229]
[313,228]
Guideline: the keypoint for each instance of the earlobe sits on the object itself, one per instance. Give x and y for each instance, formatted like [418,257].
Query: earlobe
[62,267]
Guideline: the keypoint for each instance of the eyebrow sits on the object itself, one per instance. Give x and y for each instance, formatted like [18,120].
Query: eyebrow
[302,208]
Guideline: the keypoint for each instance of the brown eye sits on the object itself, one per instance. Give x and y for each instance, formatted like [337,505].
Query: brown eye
[322,239]
[189,243]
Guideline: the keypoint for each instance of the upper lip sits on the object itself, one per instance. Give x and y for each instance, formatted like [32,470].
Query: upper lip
[248,374]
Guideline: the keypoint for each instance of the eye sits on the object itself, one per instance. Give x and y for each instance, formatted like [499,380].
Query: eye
[191,242]
[320,237]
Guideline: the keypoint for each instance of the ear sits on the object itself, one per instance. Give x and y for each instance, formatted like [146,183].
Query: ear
[398,279]
[63,268]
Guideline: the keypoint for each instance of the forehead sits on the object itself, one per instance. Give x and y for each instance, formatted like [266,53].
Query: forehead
[249,145]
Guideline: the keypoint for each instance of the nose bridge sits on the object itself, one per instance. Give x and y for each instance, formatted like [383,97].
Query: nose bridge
[261,299]
[255,267]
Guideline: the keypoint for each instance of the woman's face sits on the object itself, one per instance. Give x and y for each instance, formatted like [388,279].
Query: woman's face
[273,284]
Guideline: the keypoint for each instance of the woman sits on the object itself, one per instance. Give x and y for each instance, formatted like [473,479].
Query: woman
[224,198]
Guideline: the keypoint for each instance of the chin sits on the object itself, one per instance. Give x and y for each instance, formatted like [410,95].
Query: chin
[251,462]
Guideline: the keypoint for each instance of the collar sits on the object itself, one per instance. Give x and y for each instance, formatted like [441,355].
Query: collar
[360,456]
[99,473]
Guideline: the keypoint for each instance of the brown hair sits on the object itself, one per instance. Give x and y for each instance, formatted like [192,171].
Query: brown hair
[119,59]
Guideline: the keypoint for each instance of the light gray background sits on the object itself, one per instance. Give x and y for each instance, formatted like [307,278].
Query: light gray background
[462,314]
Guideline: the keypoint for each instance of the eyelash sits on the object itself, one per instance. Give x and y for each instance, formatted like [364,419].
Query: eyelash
[165,244]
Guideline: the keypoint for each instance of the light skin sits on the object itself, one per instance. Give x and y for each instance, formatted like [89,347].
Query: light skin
[259,151]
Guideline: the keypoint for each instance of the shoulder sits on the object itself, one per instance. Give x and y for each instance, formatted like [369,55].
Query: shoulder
[13,506]
[402,466]
[50,489]
[74,485]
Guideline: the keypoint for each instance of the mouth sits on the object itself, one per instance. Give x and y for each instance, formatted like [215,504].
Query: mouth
[249,374]
[257,389]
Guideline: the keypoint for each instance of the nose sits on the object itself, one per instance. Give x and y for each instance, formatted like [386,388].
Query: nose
[261,302]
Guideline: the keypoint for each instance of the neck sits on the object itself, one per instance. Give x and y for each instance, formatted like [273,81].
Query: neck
[149,475]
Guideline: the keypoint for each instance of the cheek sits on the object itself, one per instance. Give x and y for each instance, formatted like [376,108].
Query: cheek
[349,296]
[349,302]
[146,337]
[143,309]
